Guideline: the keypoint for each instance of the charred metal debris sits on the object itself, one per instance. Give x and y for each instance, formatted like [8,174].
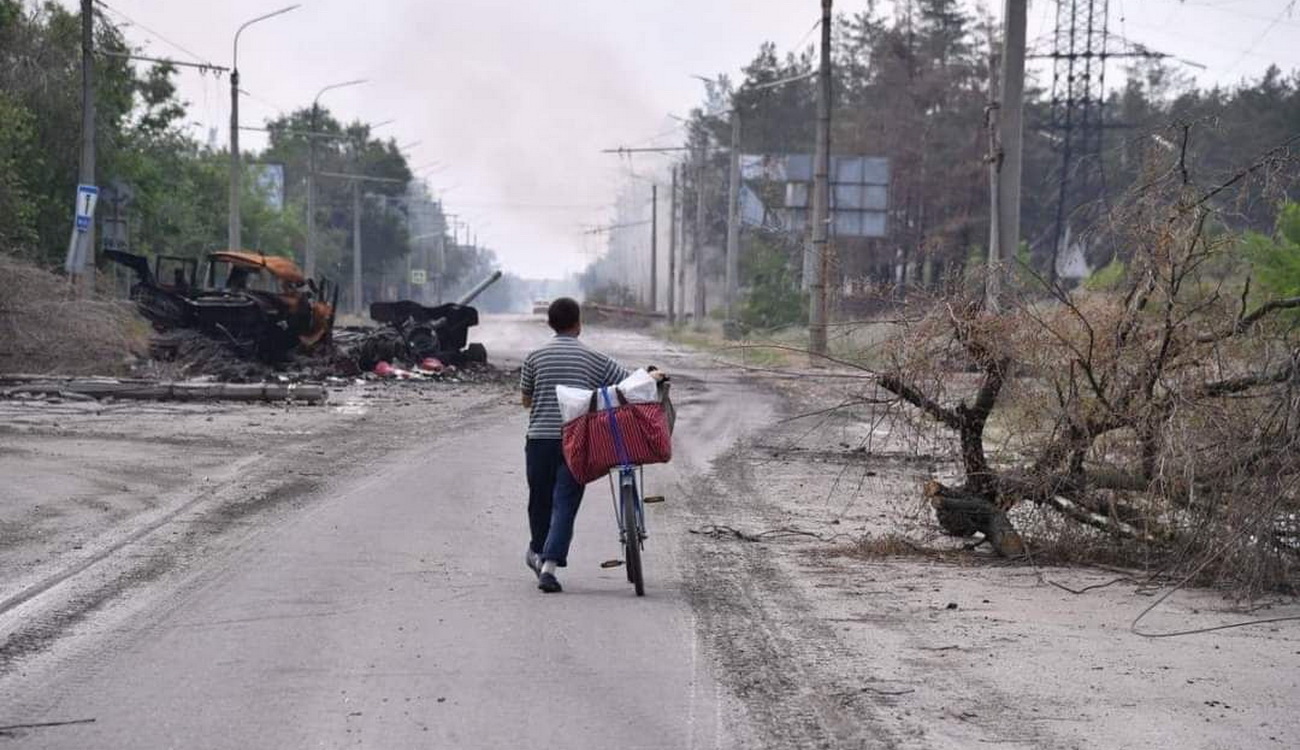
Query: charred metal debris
[249,315]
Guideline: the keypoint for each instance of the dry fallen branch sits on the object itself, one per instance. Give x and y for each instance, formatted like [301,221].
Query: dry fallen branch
[1159,418]
[717,531]
[1073,510]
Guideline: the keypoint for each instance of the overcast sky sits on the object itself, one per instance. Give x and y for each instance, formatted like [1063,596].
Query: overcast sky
[510,101]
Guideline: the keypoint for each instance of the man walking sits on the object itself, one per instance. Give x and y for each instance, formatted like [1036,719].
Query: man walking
[553,494]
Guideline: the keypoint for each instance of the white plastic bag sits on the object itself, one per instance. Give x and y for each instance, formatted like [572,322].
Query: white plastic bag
[638,388]
[573,402]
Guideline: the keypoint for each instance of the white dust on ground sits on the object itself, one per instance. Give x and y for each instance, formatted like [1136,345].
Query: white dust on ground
[963,650]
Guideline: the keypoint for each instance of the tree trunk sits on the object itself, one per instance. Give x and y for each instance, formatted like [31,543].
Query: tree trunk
[962,513]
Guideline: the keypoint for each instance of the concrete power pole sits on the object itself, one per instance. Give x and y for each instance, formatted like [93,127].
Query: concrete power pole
[233,239]
[672,250]
[654,247]
[682,231]
[442,260]
[699,239]
[356,249]
[733,218]
[1004,232]
[817,263]
[309,251]
[80,263]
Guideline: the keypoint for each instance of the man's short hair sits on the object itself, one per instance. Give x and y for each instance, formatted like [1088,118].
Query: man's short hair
[564,314]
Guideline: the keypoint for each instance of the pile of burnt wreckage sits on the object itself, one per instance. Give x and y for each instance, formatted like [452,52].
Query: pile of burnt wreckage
[262,310]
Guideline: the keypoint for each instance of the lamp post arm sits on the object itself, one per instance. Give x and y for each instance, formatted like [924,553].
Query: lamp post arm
[234,57]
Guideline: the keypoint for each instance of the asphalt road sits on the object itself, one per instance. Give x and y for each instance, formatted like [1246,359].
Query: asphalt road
[393,610]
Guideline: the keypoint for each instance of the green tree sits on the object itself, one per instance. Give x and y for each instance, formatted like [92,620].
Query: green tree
[1275,260]
[774,298]
[342,149]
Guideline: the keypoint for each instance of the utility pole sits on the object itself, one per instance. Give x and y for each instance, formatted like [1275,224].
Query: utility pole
[309,252]
[356,180]
[654,247]
[733,219]
[408,289]
[699,238]
[819,263]
[441,249]
[682,230]
[451,221]
[80,263]
[1004,233]
[356,248]
[672,250]
[233,239]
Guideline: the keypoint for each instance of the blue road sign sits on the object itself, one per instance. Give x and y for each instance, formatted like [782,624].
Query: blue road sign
[87,195]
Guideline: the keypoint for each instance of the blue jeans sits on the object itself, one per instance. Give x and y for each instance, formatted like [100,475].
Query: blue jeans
[553,500]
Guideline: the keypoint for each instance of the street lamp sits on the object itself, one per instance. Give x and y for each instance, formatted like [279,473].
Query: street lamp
[233,234]
[309,253]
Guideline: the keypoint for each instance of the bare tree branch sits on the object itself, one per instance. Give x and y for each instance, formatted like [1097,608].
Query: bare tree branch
[1073,510]
[1245,321]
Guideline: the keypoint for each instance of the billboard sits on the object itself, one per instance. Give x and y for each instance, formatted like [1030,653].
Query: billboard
[859,192]
[269,179]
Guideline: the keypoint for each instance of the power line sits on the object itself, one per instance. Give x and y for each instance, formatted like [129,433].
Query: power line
[1272,25]
[132,21]
[1243,14]
[654,150]
[612,227]
[664,134]
[803,39]
[264,100]
[1201,40]
[204,67]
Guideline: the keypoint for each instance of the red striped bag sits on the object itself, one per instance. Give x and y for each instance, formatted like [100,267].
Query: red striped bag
[589,447]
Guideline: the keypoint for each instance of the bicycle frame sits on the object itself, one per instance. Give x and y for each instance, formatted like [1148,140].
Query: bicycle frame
[635,477]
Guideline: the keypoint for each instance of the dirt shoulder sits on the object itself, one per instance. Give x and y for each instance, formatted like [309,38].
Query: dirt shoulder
[100,498]
[834,634]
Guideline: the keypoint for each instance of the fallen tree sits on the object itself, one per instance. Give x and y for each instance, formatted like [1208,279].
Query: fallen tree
[1163,411]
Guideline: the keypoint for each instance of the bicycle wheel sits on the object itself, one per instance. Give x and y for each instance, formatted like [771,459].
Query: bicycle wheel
[632,539]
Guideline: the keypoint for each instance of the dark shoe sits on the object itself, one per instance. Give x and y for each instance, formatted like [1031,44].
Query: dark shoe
[533,562]
[549,583]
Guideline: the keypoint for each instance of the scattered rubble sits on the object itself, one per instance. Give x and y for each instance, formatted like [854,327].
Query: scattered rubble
[256,318]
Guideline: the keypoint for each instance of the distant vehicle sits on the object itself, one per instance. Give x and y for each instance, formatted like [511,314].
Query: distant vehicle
[540,306]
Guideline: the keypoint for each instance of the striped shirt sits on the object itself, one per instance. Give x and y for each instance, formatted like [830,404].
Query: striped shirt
[562,361]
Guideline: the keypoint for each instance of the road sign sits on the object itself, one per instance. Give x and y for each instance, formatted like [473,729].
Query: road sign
[419,277]
[87,195]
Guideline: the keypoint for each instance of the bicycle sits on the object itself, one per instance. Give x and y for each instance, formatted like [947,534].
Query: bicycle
[629,512]
[629,505]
